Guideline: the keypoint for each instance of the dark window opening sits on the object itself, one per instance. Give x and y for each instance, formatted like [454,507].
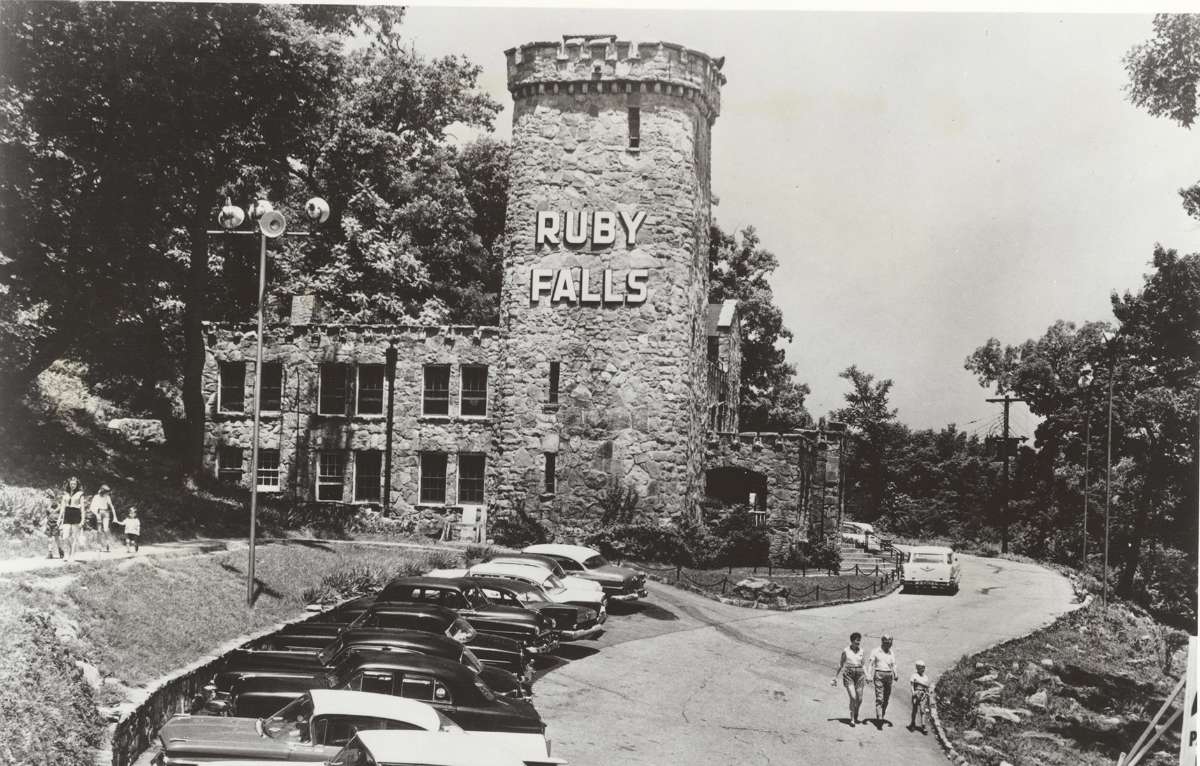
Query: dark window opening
[470,479]
[229,464]
[474,390]
[635,127]
[554,367]
[714,349]
[437,390]
[368,474]
[433,477]
[272,387]
[370,389]
[550,482]
[335,389]
[232,396]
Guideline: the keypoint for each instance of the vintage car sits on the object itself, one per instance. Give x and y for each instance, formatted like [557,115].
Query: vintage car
[416,748]
[535,631]
[311,727]
[556,589]
[573,622]
[930,566]
[545,562]
[861,534]
[619,583]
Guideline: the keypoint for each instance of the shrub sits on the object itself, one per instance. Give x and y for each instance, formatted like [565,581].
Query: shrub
[477,553]
[641,541]
[23,510]
[518,529]
[740,542]
[814,554]
[1165,584]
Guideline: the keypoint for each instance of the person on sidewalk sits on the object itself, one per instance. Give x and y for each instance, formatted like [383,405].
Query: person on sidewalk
[882,668]
[850,668]
[70,514]
[100,516]
[52,528]
[133,530]
[921,686]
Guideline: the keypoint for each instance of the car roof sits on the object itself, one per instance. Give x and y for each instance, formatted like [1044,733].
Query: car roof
[504,583]
[343,702]
[443,668]
[931,549]
[577,552]
[532,558]
[435,749]
[431,582]
[408,607]
[534,574]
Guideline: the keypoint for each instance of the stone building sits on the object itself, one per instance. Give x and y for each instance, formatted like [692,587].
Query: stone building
[609,367]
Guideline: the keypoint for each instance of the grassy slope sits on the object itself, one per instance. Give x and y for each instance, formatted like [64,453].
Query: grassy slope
[1106,678]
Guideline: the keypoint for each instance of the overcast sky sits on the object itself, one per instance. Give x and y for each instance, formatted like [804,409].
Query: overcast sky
[927,181]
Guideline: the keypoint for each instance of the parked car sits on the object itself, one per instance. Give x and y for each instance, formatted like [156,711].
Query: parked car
[619,583]
[860,534]
[535,631]
[573,622]
[930,566]
[546,562]
[557,590]
[311,727]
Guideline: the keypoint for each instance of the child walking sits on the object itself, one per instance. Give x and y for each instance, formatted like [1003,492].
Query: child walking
[133,530]
[53,531]
[921,685]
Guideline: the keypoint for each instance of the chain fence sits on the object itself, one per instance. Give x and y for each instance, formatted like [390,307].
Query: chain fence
[882,578]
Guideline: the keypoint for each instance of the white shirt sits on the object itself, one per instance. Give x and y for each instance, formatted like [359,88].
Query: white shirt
[133,526]
[101,505]
[881,660]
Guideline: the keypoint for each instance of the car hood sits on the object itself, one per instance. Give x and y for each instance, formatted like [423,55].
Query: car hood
[613,573]
[219,736]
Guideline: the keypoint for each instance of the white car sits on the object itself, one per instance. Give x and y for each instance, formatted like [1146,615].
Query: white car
[558,590]
[619,583]
[551,565]
[930,566]
[861,534]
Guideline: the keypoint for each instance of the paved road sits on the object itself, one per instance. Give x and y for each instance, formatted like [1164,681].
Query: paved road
[683,679]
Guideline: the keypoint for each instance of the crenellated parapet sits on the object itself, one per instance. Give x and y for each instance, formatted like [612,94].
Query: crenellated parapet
[603,64]
[237,334]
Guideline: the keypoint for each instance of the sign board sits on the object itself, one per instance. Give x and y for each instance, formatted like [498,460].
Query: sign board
[1187,737]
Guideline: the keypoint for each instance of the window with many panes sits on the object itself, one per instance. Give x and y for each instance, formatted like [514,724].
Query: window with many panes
[549,478]
[232,394]
[335,389]
[554,372]
[436,397]
[268,470]
[470,479]
[368,475]
[433,477]
[331,475]
[272,387]
[474,390]
[229,464]
[370,389]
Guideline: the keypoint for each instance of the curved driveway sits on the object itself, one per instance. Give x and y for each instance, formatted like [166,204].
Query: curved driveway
[682,679]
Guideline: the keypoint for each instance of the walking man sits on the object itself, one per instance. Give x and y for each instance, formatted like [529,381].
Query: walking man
[882,667]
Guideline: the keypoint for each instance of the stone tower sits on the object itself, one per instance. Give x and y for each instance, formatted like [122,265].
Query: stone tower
[605,288]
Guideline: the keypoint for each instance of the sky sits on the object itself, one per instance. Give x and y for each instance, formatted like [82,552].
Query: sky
[927,181]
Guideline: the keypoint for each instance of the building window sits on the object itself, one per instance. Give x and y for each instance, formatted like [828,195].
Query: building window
[549,478]
[635,127]
[232,394]
[758,518]
[437,390]
[272,387]
[335,380]
[554,369]
[470,479]
[368,475]
[331,476]
[474,390]
[714,349]
[370,389]
[268,470]
[229,464]
[433,477]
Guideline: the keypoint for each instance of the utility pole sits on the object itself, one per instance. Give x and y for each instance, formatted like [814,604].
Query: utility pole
[1006,400]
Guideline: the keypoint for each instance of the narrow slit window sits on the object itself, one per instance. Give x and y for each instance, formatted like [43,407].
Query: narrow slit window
[554,370]
[550,482]
[635,127]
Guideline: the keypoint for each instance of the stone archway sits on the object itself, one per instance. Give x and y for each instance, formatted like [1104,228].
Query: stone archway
[734,485]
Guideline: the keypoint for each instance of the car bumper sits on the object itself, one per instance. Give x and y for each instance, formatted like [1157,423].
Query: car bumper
[928,583]
[581,633]
[543,646]
[629,596]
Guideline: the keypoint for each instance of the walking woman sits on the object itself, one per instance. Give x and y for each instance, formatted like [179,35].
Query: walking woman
[100,517]
[850,668]
[70,514]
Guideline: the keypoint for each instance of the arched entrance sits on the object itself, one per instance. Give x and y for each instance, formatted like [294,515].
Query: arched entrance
[735,486]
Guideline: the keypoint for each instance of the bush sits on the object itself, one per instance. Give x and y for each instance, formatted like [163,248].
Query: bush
[23,510]
[739,541]
[814,554]
[641,541]
[517,529]
[477,553]
[1166,585]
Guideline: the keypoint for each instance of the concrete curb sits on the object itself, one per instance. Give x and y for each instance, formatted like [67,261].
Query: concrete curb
[944,738]
[771,607]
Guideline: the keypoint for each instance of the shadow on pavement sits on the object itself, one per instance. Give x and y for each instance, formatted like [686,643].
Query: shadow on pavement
[653,611]
[574,651]
[844,721]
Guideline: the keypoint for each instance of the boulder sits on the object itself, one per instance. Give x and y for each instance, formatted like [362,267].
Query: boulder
[971,735]
[758,589]
[990,693]
[139,431]
[986,679]
[1038,699]
[995,711]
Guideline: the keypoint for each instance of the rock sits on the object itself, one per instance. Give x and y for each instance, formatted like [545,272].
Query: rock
[758,589]
[986,679]
[971,735]
[1038,699]
[990,693]
[139,431]
[91,674]
[1048,663]
[995,711]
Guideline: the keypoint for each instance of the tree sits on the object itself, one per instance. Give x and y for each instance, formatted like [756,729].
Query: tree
[873,425]
[771,399]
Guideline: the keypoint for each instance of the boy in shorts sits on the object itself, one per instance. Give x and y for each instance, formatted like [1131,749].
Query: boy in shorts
[133,530]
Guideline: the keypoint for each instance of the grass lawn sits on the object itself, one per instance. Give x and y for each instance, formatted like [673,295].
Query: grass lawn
[1083,689]
[138,618]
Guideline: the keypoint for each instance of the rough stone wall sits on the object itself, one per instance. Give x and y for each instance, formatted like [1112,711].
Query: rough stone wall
[299,432]
[633,377]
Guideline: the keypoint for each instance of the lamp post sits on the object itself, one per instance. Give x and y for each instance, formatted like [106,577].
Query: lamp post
[1085,382]
[271,224]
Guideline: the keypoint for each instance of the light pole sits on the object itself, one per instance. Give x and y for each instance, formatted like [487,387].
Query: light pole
[1085,383]
[271,224]
[1110,346]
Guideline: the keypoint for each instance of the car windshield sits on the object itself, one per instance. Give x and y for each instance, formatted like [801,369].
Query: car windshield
[291,723]
[593,562]
[930,558]
[476,598]
[531,595]
[553,585]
